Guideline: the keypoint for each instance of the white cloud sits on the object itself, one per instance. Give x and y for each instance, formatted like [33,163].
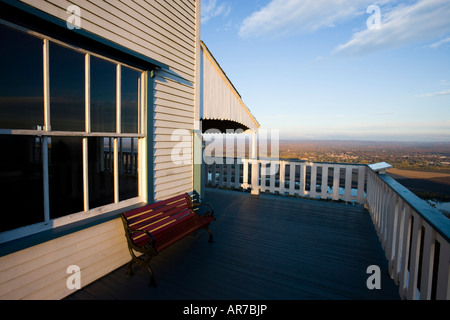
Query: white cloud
[212,9]
[434,94]
[422,21]
[440,43]
[281,17]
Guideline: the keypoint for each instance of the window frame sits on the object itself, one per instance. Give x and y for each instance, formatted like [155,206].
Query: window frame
[45,133]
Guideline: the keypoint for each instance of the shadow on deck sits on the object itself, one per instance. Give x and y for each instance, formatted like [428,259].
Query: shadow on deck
[266,248]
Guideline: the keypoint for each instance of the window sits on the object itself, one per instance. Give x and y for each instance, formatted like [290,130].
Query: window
[66,89]
[21,173]
[21,80]
[69,131]
[103,95]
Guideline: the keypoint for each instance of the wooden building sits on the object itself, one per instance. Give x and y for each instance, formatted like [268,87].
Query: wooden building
[94,99]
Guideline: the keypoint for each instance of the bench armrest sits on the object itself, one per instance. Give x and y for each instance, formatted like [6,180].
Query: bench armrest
[198,204]
[131,231]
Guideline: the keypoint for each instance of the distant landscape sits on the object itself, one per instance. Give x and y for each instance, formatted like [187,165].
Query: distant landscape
[422,167]
[424,156]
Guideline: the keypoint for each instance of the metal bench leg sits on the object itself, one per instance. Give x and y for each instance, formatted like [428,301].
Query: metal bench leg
[129,270]
[152,282]
[211,240]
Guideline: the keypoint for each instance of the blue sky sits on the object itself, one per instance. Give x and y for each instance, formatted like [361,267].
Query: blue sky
[314,69]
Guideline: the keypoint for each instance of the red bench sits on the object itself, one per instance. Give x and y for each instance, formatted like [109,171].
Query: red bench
[153,228]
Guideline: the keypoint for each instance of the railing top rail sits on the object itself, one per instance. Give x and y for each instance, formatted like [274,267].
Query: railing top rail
[294,160]
[433,217]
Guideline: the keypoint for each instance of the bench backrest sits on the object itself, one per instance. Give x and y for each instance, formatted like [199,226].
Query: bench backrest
[157,216]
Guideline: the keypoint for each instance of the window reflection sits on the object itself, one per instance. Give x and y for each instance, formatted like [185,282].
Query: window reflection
[103,95]
[66,89]
[21,80]
[65,176]
[21,182]
[22,107]
[128,169]
[130,100]
[101,173]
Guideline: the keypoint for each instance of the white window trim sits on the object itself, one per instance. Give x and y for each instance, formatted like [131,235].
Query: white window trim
[45,132]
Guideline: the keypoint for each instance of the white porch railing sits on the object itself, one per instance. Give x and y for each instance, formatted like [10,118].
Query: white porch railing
[414,236]
[335,181]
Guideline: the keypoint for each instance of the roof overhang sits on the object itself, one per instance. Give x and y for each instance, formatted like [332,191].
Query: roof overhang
[221,106]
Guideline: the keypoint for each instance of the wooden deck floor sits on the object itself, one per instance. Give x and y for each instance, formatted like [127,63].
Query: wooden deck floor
[266,248]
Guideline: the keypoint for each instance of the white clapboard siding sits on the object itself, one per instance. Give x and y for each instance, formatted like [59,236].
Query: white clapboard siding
[164,31]
[151,43]
[173,122]
[40,272]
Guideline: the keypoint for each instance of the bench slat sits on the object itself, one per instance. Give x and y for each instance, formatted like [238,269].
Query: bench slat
[135,213]
[153,212]
[159,225]
[168,211]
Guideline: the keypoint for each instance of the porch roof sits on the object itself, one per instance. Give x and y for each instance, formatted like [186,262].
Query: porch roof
[219,98]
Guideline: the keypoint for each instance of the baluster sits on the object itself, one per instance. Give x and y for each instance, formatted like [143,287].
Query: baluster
[336,176]
[302,190]
[282,177]
[313,181]
[324,181]
[427,262]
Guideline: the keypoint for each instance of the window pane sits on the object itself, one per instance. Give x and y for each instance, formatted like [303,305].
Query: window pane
[21,80]
[101,173]
[103,95]
[21,182]
[65,176]
[130,100]
[128,170]
[66,89]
